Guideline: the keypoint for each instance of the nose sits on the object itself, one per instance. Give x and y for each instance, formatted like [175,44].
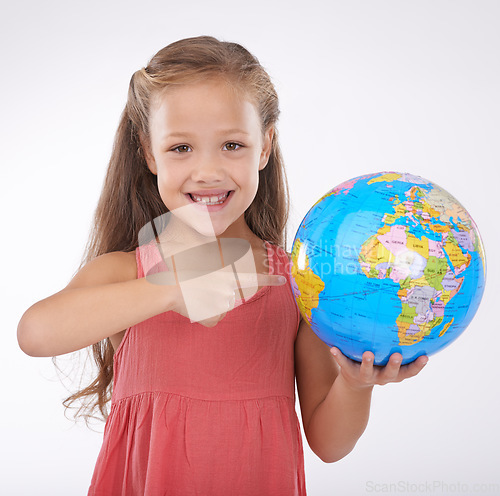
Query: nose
[208,168]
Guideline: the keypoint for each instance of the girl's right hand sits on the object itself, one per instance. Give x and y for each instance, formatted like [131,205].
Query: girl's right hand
[208,273]
[206,298]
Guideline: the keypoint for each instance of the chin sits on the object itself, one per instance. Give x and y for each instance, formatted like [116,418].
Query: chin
[219,231]
[209,229]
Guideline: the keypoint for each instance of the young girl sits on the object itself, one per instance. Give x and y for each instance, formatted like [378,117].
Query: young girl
[201,407]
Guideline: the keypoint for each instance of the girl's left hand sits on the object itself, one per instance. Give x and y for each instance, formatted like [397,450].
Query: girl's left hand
[366,374]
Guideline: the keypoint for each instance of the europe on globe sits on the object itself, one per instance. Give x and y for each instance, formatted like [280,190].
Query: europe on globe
[388,262]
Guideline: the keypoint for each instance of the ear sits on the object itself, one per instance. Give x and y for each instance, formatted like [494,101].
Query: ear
[148,155]
[266,148]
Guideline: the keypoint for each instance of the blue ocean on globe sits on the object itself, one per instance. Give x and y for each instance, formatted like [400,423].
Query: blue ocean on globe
[388,262]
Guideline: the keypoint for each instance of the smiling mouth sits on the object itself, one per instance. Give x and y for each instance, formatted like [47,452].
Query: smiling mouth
[210,200]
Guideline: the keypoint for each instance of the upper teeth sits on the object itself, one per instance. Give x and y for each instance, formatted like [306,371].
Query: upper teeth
[210,199]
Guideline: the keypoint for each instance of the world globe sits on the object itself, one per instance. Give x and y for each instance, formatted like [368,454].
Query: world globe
[388,262]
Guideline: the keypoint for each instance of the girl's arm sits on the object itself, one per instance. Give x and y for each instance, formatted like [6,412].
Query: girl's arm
[102,299]
[335,392]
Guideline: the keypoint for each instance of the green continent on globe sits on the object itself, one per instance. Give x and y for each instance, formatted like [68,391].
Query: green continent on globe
[426,268]
[308,284]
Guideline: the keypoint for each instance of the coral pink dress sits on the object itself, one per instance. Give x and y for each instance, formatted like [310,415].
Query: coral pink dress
[206,411]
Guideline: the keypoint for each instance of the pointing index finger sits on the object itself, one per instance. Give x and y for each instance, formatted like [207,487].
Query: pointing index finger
[243,279]
[247,280]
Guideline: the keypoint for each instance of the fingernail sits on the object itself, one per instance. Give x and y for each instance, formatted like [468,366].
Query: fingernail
[282,279]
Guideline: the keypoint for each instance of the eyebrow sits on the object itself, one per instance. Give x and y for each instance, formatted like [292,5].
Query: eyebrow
[223,131]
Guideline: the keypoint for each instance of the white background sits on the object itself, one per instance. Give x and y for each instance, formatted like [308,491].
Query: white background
[365,86]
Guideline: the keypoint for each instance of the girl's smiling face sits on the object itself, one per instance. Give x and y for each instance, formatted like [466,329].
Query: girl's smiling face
[207,148]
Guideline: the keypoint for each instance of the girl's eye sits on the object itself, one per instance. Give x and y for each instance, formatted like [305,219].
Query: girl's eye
[232,146]
[180,149]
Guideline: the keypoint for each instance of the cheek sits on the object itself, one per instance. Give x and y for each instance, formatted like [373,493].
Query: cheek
[252,183]
[168,178]
[168,186]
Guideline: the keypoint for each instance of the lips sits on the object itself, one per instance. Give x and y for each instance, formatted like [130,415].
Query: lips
[209,197]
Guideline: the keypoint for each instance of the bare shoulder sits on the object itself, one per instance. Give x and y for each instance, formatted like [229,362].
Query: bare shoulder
[116,266]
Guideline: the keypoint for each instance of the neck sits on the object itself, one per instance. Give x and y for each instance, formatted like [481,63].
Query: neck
[179,235]
[239,229]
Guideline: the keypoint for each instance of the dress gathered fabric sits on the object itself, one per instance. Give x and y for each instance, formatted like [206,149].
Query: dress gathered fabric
[206,411]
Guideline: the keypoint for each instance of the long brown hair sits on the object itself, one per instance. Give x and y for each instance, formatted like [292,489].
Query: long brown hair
[130,198]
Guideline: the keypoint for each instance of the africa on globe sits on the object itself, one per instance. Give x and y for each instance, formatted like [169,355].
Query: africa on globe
[388,262]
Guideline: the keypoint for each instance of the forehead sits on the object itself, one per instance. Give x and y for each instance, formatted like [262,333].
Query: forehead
[220,82]
[203,103]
